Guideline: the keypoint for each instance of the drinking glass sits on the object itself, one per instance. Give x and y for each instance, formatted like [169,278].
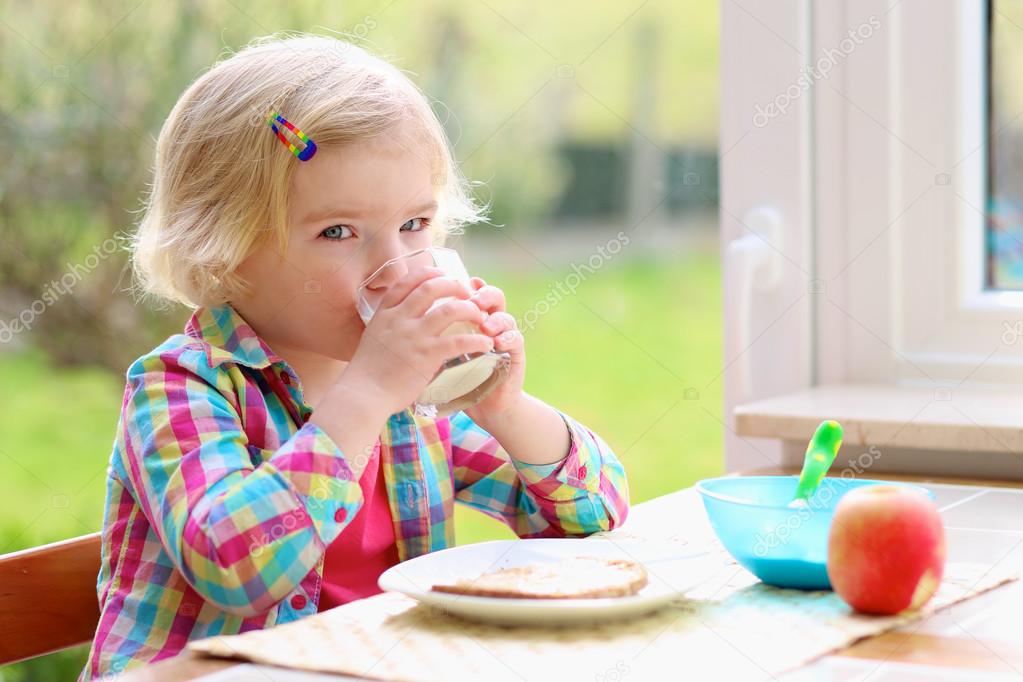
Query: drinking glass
[462,381]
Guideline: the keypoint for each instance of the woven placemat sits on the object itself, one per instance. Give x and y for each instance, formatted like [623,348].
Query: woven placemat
[731,626]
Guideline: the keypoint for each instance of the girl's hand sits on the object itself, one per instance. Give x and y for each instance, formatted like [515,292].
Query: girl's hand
[501,326]
[403,345]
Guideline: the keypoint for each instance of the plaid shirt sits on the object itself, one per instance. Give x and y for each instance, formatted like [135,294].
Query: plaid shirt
[221,498]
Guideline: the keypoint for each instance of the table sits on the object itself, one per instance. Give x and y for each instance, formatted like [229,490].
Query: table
[977,638]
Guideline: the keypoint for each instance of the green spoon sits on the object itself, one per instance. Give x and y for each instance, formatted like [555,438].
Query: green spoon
[820,454]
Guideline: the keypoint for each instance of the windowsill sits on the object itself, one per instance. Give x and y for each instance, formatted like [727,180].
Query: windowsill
[988,420]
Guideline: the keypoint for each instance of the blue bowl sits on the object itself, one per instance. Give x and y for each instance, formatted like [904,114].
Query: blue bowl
[782,546]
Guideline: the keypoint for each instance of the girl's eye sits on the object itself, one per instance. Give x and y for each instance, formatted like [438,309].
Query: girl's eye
[337,232]
[415,225]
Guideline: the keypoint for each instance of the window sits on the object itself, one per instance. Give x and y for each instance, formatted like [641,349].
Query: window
[894,257]
[1004,248]
[903,160]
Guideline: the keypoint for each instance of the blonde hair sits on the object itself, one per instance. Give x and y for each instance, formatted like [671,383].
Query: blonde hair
[221,178]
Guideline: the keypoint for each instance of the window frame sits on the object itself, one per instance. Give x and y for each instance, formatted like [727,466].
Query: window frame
[915,306]
[893,279]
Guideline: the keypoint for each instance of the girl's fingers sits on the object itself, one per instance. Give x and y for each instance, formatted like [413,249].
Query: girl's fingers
[407,286]
[423,296]
[458,344]
[489,298]
[498,322]
[503,328]
[509,340]
[448,312]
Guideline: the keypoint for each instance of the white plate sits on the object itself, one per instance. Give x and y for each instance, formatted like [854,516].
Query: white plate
[671,573]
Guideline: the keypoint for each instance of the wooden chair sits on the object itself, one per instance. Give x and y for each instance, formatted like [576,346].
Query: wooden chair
[48,597]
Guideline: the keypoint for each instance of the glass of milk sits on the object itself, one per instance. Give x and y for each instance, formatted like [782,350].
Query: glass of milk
[462,381]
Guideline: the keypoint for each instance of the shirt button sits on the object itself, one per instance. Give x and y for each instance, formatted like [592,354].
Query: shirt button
[298,602]
[582,471]
[340,515]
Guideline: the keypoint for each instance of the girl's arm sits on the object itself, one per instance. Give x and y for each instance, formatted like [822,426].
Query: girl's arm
[530,430]
[243,534]
[583,493]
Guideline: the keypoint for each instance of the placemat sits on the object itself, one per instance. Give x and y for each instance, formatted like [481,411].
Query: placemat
[732,625]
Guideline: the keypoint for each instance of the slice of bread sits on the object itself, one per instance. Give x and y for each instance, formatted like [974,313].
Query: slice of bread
[578,578]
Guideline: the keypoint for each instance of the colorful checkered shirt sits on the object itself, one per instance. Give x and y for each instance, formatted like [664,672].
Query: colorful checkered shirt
[221,498]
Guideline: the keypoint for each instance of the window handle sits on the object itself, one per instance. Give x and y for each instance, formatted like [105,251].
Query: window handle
[753,264]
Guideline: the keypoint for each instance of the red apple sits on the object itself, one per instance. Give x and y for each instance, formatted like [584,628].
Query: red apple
[886,549]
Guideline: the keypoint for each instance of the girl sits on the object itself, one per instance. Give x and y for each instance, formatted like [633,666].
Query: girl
[267,464]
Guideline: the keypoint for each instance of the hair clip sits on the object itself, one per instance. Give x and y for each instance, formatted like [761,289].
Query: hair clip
[310,146]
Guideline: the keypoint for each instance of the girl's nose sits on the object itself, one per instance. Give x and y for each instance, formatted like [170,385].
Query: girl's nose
[397,267]
[384,277]
[388,274]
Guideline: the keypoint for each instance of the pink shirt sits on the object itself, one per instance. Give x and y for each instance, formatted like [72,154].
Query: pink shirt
[364,549]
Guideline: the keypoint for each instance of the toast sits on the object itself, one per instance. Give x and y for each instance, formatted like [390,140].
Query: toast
[578,578]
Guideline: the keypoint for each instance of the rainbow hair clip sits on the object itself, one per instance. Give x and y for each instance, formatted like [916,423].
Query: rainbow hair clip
[300,154]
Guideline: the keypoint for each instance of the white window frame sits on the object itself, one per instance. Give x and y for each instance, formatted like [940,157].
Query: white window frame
[888,252]
[765,213]
[912,106]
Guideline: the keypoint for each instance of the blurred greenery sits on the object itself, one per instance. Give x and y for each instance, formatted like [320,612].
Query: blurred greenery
[53,477]
[619,356]
[633,354]
[87,90]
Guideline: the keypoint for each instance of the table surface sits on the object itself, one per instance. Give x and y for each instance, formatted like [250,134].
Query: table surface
[976,639]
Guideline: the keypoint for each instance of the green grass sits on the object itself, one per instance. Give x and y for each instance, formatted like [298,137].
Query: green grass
[618,355]
[57,426]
